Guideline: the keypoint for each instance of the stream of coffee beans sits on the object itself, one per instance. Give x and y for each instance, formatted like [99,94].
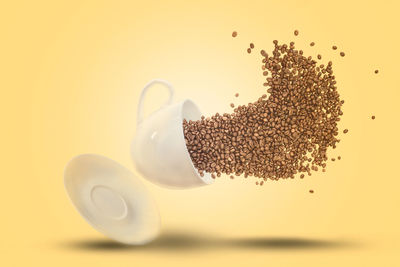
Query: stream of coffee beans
[287,131]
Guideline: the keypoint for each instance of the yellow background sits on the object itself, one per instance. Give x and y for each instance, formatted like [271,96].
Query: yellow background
[70,76]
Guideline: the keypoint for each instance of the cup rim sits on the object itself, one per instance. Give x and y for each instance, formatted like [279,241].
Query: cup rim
[207,176]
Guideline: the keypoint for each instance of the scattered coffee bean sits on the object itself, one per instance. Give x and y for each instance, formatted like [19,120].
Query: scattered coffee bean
[237,94]
[232,105]
[296,32]
[248,50]
[251,45]
[312,44]
[319,56]
[232,177]
[339,157]
[311,191]
[376,71]
[279,135]
[345,131]
[373,117]
[334,47]
[234,34]
[342,54]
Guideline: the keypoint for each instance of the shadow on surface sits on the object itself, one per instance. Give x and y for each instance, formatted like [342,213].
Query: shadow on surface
[179,241]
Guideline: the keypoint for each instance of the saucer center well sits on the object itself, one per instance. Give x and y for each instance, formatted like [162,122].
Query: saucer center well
[109,202]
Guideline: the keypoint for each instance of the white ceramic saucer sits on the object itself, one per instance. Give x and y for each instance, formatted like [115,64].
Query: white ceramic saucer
[112,199]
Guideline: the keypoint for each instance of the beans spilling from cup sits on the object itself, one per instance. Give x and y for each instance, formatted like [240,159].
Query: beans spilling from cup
[287,131]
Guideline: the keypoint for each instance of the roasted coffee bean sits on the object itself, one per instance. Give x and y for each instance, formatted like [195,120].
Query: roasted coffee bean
[234,34]
[283,133]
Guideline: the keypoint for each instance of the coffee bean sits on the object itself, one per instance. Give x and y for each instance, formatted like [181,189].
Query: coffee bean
[282,133]
[334,47]
[296,32]
[319,56]
[232,105]
[342,54]
[376,71]
[251,45]
[248,50]
[373,117]
[345,131]
[234,34]
[311,191]
[312,44]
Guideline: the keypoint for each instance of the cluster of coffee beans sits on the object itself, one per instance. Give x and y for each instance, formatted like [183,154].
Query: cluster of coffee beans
[285,132]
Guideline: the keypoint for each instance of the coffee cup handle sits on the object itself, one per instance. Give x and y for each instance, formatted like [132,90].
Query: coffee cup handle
[144,92]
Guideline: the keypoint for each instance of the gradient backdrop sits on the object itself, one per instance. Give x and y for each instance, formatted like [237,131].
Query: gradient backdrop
[71,73]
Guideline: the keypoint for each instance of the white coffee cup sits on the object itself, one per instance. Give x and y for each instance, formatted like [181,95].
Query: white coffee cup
[159,149]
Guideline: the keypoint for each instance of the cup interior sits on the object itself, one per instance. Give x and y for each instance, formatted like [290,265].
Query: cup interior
[190,111]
